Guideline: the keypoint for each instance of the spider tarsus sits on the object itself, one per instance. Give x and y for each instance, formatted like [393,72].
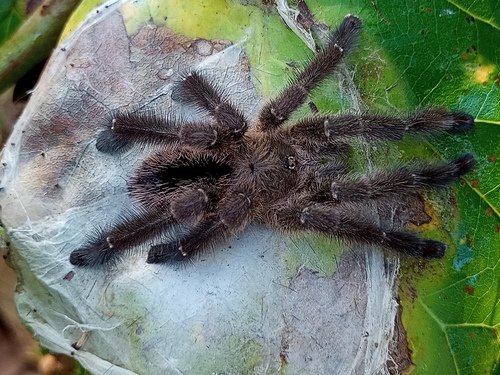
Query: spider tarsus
[462,122]
[433,249]
[347,33]
[92,256]
[80,258]
[446,174]
[465,164]
[108,143]
[169,253]
[437,120]
[412,245]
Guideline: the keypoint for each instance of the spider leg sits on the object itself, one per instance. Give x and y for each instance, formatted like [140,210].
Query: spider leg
[350,223]
[193,202]
[230,123]
[233,216]
[400,181]
[132,231]
[125,128]
[278,110]
[332,127]
[322,179]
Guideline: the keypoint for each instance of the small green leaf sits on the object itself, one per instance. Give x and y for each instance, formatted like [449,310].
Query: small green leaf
[11,15]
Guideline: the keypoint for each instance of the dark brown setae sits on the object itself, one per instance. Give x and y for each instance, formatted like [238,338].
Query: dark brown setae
[215,177]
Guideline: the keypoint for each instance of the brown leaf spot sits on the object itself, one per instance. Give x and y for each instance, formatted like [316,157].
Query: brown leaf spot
[469,290]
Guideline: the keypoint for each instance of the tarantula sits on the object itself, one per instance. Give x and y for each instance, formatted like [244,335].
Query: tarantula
[214,177]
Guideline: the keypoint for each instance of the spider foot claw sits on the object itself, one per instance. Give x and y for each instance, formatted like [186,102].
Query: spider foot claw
[433,249]
[89,256]
[464,164]
[463,122]
[108,143]
[80,257]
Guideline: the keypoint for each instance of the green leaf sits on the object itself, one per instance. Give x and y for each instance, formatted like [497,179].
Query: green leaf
[11,15]
[451,308]
[33,41]
[485,10]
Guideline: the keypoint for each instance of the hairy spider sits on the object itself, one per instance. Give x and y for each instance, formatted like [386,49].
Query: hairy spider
[214,177]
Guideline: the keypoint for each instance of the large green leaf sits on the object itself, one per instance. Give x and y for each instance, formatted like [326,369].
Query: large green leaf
[448,56]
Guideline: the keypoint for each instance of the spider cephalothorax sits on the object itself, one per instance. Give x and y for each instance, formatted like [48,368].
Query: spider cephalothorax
[213,177]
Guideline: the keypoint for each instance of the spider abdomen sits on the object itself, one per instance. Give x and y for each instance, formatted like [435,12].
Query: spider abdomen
[168,170]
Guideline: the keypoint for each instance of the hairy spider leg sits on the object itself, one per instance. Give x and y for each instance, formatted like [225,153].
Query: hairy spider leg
[233,216]
[130,231]
[204,234]
[146,128]
[349,222]
[279,109]
[230,123]
[187,207]
[400,181]
[193,202]
[335,127]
